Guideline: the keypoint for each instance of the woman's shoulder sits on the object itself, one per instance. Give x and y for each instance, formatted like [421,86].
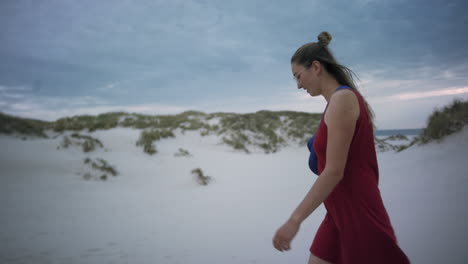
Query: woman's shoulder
[344,98]
[344,103]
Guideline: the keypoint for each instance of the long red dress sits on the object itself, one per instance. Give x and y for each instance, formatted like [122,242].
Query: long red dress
[356,228]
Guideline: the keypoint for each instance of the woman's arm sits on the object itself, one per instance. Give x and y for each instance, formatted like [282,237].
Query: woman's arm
[340,117]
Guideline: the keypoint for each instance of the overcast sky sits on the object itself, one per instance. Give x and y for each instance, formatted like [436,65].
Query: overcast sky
[66,57]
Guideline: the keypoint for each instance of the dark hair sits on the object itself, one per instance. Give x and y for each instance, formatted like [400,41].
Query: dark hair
[319,51]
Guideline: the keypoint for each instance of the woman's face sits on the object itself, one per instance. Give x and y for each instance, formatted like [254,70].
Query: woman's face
[306,78]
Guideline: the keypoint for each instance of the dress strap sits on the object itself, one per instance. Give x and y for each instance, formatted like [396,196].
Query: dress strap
[343,87]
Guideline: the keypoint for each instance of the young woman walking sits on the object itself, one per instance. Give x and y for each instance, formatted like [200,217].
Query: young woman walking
[356,228]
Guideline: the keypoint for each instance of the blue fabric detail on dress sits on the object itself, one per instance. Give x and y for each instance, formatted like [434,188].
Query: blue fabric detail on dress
[343,87]
[313,164]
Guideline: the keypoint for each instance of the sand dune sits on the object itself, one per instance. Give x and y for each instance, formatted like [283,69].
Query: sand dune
[153,211]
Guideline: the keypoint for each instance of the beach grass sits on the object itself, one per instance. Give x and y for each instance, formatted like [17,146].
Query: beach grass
[445,121]
[182,153]
[201,178]
[148,137]
[102,167]
[24,126]
[87,143]
[267,131]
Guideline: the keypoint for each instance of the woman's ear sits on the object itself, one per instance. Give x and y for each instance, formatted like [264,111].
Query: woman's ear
[316,67]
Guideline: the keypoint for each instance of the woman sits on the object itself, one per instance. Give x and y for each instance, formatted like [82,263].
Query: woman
[356,228]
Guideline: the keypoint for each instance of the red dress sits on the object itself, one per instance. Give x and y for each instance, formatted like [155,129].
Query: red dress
[356,228]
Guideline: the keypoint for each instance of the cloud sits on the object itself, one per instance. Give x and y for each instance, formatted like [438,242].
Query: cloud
[113,89]
[450,91]
[14,89]
[220,55]
[10,96]
[443,92]
[392,81]
[52,108]
[14,93]
[391,113]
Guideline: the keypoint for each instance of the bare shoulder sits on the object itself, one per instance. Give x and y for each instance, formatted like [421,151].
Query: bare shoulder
[343,104]
[344,97]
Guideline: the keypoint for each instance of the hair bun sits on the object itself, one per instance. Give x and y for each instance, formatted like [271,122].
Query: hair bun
[324,38]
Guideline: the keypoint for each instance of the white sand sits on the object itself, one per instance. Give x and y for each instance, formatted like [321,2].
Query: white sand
[154,212]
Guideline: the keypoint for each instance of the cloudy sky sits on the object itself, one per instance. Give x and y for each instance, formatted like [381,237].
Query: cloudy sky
[67,57]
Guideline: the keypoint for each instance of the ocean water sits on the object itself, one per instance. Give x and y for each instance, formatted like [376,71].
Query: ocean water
[406,132]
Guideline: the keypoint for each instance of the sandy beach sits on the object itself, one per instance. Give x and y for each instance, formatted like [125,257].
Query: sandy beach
[154,211]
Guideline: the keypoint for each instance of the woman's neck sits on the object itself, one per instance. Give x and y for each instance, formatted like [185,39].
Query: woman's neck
[329,85]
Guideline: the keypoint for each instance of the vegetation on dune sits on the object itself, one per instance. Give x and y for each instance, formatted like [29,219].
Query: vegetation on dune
[397,137]
[189,120]
[264,130]
[441,123]
[382,145]
[445,121]
[147,139]
[237,141]
[301,125]
[30,127]
[200,177]
[182,153]
[87,143]
[102,167]
[91,123]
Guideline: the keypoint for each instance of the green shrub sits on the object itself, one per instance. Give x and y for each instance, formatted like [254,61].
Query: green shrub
[200,177]
[265,129]
[264,126]
[75,123]
[11,124]
[105,167]
[102,168]
[397,137]
[89,143]
[301,126]
[66,142]
[237,141]
[148,137]
[105,121]
[403,147]
[128,122]
[92,123]
[445,121]
[381,145]
[150,149]
[273,141]
[183,153]
[102,165]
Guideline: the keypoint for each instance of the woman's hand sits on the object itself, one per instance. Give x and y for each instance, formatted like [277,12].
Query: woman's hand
[284,235]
